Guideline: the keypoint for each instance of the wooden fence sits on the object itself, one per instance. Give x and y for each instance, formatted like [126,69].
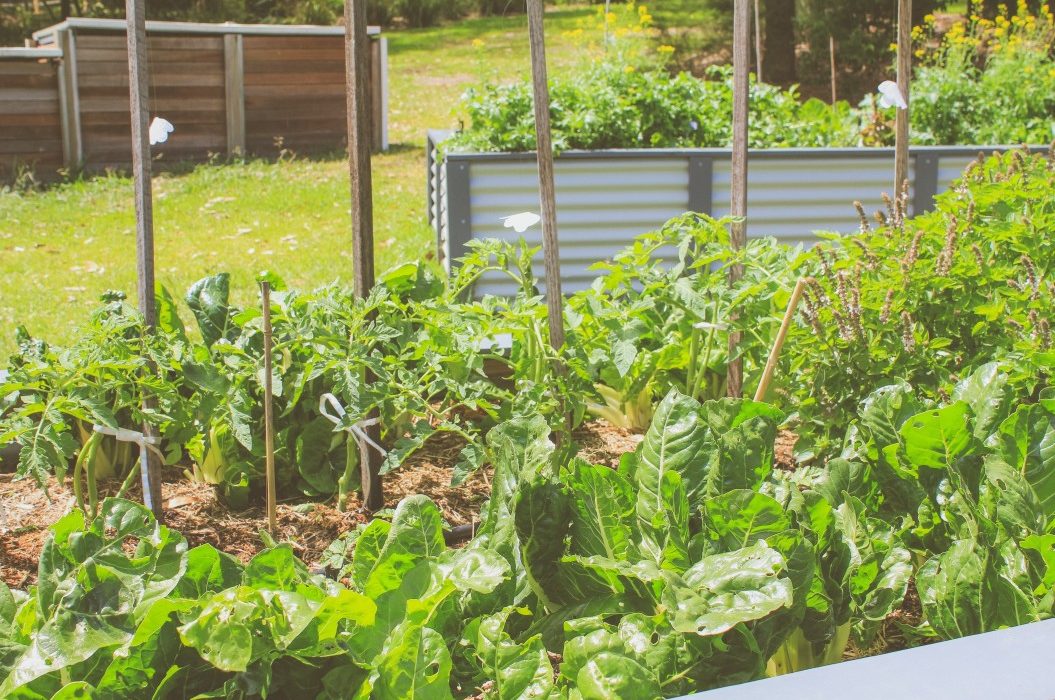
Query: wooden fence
[227,88]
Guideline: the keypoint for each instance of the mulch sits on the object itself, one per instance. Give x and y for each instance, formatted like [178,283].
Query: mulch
[26,512]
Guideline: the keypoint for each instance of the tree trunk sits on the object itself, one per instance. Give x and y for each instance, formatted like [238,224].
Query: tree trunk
[779,49]
[65,5]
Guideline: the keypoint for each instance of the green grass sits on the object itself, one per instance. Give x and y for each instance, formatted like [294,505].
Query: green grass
[61,248]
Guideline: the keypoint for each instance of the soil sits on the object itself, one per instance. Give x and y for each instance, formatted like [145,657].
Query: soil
[26,512]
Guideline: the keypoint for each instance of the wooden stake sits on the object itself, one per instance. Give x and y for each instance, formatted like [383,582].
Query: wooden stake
[831,58]
[547,190]
[738,184]
[782,334]
[357,77]
[269,411]
[138,88]
[904,71]
[758,43]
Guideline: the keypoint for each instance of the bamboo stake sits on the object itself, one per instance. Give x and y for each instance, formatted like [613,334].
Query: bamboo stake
[357,74]
[138,91]
[831,58]
[904,70]
[738,184]
[758,43]
[547,190]
[782,334]
[269,411]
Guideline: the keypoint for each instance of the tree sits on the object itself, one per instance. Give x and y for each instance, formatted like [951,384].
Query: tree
[779,42]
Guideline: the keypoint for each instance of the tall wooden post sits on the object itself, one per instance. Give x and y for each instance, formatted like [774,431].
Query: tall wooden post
[738,186]
[357,74]
[139,86]
[547,189]
[904,71]
[269,411]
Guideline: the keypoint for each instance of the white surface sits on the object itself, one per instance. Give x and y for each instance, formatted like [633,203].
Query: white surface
[1012,664]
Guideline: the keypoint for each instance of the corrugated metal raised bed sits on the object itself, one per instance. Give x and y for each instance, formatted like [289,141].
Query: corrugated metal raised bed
[606,198]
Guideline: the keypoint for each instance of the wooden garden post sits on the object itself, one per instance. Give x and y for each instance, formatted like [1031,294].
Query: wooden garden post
[138,87]
[738,186]
[547,189]
[357,75]
[904,70]
[269,410]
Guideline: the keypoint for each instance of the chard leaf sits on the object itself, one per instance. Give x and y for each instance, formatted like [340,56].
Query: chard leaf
[612,676]
[742,517]
[542,523]
[725,590]
[602,512]
[416,534]
[964,592]
[1026,441]
[987,392]
[209,301]
[675,442]
[518,670]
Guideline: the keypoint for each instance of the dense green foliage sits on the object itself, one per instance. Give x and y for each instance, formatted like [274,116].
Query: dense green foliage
[931,298]
[926,300]
[693,565]
[616,105]
[986,81]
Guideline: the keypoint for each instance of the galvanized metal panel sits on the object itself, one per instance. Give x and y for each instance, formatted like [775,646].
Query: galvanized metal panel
[601,206]
[793,198]
[607,198]
[950,169]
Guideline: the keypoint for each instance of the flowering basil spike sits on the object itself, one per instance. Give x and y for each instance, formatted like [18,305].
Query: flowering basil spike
[890,96]
[521,222]
[159,130]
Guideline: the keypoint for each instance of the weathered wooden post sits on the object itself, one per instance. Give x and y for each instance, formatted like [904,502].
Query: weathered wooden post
[904,70]
[269,410]
[738,186]
[357,75]
[138,87]
[834,75]
[547,189]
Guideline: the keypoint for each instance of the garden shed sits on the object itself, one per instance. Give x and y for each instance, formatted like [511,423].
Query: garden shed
[228,88]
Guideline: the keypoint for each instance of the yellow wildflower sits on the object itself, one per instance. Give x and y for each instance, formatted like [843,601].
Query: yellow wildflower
[665,49]
[629,69]
[478,43]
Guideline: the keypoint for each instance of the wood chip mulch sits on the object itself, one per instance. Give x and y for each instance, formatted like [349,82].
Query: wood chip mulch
[26,512]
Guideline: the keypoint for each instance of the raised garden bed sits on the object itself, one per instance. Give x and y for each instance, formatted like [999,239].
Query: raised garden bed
[606,198]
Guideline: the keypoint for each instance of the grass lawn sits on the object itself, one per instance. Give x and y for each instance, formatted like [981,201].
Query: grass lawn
[61,248]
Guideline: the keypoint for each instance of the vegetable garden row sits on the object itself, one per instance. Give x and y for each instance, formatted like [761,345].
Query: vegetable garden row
[915,376]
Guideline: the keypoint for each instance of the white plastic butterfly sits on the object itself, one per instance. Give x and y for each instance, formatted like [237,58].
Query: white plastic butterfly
[890,96]
[160,130]
[521,222]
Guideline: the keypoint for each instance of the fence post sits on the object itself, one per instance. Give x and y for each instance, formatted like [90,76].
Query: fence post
[69,101]
[139,91]
[904,75]
[738,185]
[234,92]
[359,141]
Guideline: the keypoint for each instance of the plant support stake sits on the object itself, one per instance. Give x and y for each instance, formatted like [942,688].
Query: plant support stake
[357,75]
[774,353]
[738,185]
[138,89]
[269,411]
[547,190]
[904,69]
